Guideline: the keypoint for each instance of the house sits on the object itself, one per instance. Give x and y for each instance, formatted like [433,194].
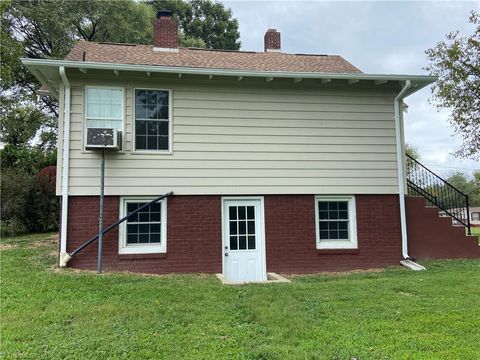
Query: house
[290,163]
[474,213]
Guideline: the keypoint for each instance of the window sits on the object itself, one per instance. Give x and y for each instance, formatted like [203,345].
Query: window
[144,232]
[336,222]
[152,119]
[104,107]
[475,216]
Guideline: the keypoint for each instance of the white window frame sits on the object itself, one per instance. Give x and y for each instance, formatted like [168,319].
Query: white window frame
[170,124]
[351,243]
[123,247]
[476,214]
[85,108]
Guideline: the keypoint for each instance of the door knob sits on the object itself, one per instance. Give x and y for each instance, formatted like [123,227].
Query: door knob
[226,254]
[226,247]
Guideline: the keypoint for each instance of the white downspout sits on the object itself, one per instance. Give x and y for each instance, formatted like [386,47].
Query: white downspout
[64,257]
[401,167]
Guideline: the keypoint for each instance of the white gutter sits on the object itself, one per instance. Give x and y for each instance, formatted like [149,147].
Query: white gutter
[65,167]
[223,72]
[401,166]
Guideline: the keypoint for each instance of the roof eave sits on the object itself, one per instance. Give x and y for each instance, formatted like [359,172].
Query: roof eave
[37,64]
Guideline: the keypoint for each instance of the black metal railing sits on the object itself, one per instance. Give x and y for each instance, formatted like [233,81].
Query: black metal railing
[437,192]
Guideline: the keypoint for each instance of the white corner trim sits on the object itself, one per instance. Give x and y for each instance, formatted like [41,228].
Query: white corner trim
[123,248]
[65,164]
[401,166]
[352,242]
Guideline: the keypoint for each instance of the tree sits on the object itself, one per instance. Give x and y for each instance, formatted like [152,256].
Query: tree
[203,20]
[412,151]
[469,186]
[456,62]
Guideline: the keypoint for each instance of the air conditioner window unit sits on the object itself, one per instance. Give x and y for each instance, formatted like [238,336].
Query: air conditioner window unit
[103,139]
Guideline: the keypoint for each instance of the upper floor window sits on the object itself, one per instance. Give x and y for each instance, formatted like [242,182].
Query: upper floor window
[336,222]
[475,216]
[152,119]
[104,107]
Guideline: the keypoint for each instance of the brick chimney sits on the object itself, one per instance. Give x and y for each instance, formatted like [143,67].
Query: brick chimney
[165,32]
[272,40]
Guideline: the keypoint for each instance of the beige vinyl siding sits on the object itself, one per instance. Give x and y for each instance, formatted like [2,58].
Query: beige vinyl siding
[249,139]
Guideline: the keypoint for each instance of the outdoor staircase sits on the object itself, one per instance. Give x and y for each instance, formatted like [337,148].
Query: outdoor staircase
[432,206]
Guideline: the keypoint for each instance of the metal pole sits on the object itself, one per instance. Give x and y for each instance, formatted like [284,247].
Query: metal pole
[100,216]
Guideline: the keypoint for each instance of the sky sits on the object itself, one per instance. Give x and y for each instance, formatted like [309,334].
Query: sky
[382,37]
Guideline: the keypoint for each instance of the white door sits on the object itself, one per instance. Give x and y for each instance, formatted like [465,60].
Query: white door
[243,240]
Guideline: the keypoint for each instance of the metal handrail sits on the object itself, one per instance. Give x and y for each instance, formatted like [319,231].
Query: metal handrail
[107,229]
[438,192]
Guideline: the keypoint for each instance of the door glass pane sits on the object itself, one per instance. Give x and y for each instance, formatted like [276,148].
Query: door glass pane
[233,243]
[242,227]
[232,212]
[241,212]
[251,242]
[233,227]
[242,242]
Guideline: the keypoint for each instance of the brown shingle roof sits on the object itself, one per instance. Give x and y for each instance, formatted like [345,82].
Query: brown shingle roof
[202,58]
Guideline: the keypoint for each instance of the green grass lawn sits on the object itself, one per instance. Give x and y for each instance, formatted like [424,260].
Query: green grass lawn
[476,231]
[393,314]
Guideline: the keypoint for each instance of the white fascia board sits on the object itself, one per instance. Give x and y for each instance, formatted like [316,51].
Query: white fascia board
[35,63]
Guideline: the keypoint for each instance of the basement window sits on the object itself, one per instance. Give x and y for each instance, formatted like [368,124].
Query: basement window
[152,120]
[336,222]
[145,232]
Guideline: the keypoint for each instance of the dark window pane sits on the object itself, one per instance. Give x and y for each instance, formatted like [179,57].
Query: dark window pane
[140,112]
[163,143]
[144,228]
[162,97]
[132,229]
[332,205]
[323,235]
[163,112]
[163,127]
[232,210]
[155,216]
[241,212]
[233,243]
[242,242]
[323,225]
[143,238]
[322,205]
[155,238]
[155,207]
[251,242]
[343,214]
[233,227]
[152,97]
[333,214]
[143,216]
[333,225]
[250,212]
[333,234]
[132,207]
[323,215]
[151,142]
[343,205]
[343,225]
[251,227]
[140,142]
[155,228]
[343,235]
[242,227]
[132,239]
[140,128]
[152,112]
[152,128]
[140,96]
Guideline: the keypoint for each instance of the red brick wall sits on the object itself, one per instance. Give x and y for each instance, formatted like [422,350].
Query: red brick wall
[193,231]
[165,32]
[291,239]
[271,40]
[194,235]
